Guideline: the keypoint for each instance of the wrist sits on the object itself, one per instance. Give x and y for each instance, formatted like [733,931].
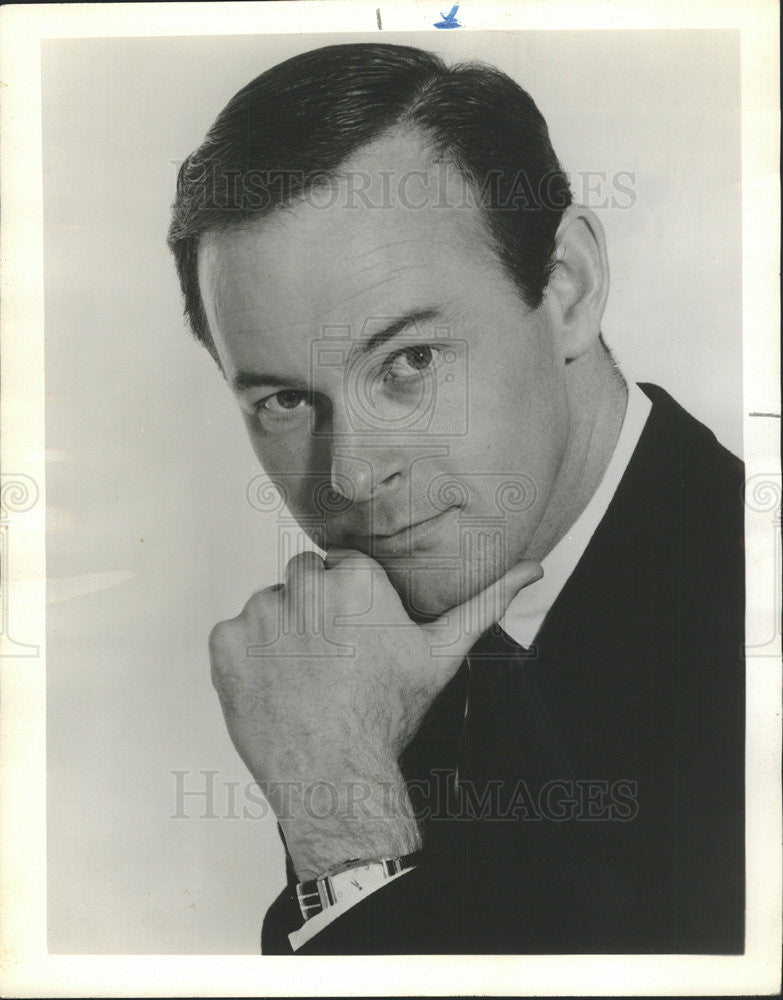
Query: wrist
[331,825]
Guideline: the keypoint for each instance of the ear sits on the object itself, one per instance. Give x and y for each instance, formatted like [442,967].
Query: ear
[579,285]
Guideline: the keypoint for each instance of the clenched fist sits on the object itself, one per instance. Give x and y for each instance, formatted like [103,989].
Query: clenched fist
[323,682]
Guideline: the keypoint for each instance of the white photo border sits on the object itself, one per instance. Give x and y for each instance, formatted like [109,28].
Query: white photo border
[28,969]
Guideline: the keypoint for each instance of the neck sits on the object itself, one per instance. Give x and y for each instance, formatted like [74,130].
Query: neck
[597,397]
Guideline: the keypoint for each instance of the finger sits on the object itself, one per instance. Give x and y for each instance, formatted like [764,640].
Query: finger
[302,590]
[458,629]
[264,592]
[302,566]
[260,601]
[335,556]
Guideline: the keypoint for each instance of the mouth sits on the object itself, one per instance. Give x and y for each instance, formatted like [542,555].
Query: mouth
[419,536]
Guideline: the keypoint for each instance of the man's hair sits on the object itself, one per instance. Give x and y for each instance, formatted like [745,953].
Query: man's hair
[293,127]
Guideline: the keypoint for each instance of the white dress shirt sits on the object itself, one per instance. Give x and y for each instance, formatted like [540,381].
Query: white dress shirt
[526,613]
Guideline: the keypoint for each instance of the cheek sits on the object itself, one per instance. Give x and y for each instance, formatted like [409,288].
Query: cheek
[514,449]
[289,453]
[297,464]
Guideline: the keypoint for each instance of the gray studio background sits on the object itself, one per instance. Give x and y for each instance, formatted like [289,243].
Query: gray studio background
[150,537]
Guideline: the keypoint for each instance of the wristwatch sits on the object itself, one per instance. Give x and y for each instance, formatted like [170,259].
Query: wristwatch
[352,878]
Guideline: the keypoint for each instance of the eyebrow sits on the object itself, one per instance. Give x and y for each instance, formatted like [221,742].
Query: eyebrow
[245,380]
[397,326]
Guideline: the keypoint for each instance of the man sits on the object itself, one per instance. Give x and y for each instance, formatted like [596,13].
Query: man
[504,713]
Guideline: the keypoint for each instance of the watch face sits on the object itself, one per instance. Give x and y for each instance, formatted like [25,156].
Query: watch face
[357,879]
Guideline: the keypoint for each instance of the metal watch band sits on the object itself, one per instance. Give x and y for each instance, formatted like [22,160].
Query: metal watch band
[318,894]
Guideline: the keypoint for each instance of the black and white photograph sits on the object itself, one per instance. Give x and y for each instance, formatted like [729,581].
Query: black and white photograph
[391,514]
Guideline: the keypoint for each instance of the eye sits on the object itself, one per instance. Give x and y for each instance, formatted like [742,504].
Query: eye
[411,361]
[284,403]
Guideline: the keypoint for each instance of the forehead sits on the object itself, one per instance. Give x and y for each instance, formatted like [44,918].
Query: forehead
[394,224]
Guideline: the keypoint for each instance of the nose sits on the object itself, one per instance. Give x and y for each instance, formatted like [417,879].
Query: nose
[363,466]
[362,473]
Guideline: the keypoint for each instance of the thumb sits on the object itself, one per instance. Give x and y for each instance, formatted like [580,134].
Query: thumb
[458,629]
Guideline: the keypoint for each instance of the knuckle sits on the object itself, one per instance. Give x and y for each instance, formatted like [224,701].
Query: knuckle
[219,640]
[259,603]
[216,674]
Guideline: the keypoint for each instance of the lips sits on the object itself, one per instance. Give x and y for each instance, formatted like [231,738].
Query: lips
[417,536]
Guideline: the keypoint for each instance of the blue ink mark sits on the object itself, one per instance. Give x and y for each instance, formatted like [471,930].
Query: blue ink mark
[450,19]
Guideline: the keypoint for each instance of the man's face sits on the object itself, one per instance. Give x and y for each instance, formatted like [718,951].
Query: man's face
[384,352]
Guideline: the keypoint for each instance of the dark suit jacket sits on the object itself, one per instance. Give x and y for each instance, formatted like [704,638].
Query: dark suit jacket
[600,799]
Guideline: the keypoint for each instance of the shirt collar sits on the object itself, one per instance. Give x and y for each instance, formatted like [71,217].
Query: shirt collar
[526,613]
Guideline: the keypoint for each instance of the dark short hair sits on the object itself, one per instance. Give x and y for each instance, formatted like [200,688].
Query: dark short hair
[295,125]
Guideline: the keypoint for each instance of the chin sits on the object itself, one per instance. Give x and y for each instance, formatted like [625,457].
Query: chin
[428,593]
